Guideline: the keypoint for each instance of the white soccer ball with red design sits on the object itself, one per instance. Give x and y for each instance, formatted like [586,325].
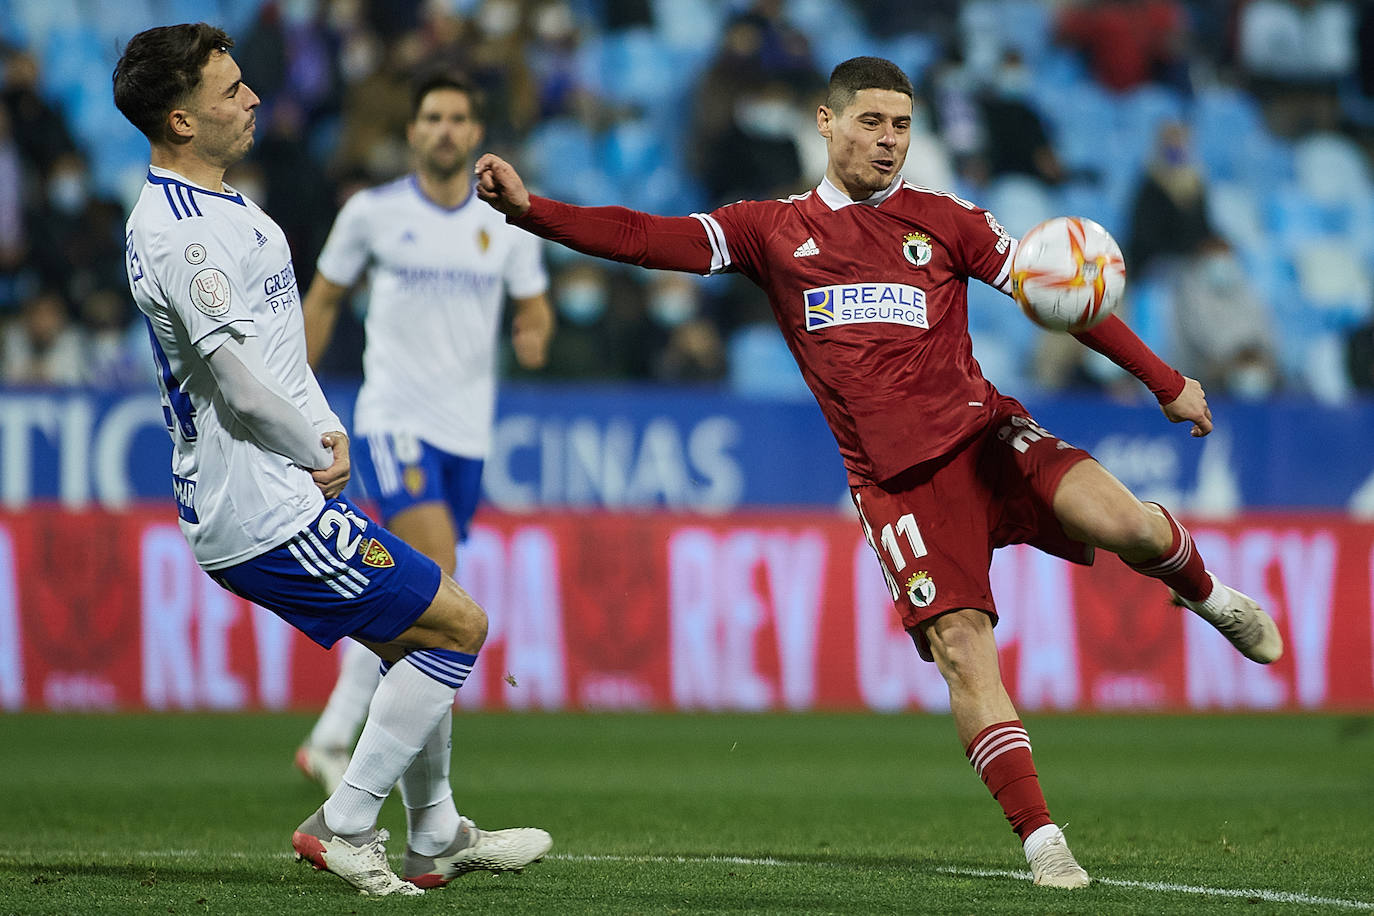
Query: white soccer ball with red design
[1068,273]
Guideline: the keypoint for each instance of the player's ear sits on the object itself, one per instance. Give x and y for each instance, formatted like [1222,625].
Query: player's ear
[180,124]
[825,118]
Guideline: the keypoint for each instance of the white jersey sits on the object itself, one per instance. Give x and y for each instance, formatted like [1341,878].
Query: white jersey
[439,278]
[200,261]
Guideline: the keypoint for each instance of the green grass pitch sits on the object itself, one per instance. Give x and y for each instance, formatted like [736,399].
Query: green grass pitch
[788,814]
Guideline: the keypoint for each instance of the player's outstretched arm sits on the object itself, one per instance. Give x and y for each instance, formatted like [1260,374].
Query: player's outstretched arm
[614,233]
[1190,406]
[320,309]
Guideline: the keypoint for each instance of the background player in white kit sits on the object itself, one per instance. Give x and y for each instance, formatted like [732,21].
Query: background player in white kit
[259,461]
[440,265]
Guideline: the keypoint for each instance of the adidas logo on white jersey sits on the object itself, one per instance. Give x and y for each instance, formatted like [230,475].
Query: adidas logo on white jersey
[807,249]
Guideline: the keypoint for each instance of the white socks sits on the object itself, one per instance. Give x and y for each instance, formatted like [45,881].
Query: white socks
[1210,608]
[431,818]
[405,710]
[343,715]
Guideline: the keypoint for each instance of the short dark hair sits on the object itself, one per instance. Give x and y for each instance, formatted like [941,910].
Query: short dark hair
[432,80]
[159,70]
[859,73]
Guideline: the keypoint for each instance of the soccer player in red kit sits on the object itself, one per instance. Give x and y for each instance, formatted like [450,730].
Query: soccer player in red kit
[868,277]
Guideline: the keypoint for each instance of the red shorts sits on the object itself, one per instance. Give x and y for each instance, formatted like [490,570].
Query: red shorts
[934,526]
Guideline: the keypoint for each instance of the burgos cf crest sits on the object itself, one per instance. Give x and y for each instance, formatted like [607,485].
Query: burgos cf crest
[377,556]
[916,247]
[920,588]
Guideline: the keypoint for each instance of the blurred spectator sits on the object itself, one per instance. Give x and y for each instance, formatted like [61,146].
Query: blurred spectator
[1296,52]
[13,240]
[756,154]
[689,347]
[76,237]
[1359,357]
[1129,42]
[490,48]
[770,62]
[552,58]
[601,326]
[115,349]
[1169,215]
[1225,332]
[292,51]
[42,346]
[376,105]
[293,185]
[1017,141]
[39,127]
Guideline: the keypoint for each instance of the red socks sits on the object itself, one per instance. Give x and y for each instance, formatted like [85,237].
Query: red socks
[1179,567]
[1001,754]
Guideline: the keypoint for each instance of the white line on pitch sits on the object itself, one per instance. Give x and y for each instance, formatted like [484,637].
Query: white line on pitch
[770,862]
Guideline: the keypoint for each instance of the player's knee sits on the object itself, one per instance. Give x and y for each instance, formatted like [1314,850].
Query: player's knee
[1138,532]
[959,643]
[462,621]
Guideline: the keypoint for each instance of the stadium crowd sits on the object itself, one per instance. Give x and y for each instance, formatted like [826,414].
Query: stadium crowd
[1226,144]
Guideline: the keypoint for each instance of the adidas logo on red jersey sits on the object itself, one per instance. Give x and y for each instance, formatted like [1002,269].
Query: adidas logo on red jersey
[807,249]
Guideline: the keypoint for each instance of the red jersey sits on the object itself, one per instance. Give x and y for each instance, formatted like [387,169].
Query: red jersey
[870,295]
[872,299]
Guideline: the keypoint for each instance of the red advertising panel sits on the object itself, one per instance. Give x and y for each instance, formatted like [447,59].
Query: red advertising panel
[103,610]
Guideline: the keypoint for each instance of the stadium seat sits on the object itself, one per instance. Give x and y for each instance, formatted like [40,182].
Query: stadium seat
[1019,202]
[1235,210]
[1027,27]
[762,366]
[1331,167]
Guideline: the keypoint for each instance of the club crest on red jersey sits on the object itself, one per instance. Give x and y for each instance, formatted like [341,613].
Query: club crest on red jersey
[920,588]
[376,555]
[916,247]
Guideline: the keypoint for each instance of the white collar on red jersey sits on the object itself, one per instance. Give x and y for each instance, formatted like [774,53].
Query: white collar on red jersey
[834,198]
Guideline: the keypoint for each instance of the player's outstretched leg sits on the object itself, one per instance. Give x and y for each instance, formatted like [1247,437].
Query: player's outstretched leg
[1052,863]
[359,859]
[324,755]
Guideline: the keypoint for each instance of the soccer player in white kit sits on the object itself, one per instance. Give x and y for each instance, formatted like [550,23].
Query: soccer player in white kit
[259,461]
[440,265]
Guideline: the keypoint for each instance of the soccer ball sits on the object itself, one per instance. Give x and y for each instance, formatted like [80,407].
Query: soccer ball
[1068,274]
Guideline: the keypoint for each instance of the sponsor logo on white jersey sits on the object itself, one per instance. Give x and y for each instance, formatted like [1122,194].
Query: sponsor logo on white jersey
[858,303]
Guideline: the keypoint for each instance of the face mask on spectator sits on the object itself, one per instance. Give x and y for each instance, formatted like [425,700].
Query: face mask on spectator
[671,307]
[1221,270]
[771,118]
[67,193]
[582,302]
[1250,382]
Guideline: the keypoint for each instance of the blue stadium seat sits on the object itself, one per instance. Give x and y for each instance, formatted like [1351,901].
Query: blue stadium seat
[760,365]
[1331,167]
[634,66]
[1026,25]
[1082,197]
[1235,210]
[1226,124]
[564,162]
[1019,202]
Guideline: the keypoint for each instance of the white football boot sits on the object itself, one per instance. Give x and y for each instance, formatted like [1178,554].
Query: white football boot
[477,850]
[1241,620]
[361,862]
[1053,865]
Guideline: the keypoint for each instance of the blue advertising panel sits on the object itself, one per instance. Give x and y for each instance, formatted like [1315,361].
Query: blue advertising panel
[706,450]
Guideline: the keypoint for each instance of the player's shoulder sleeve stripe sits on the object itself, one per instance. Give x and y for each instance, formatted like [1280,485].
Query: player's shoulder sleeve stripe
[715,234]
[1003,281]
[936,192]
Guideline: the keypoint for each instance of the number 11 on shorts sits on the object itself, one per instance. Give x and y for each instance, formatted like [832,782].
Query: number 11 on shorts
[892,544]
